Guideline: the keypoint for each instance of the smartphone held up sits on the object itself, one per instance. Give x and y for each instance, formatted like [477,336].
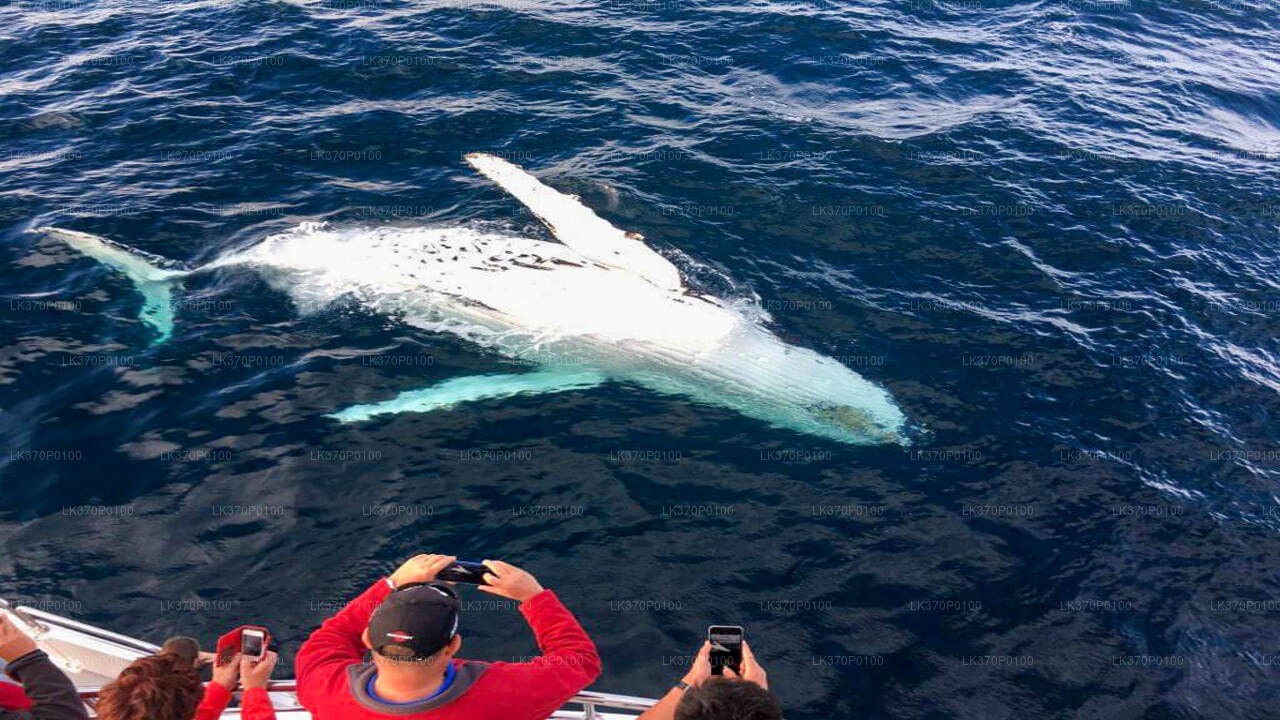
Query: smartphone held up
[250,641]
[465,571]
[253,643]
[726,648]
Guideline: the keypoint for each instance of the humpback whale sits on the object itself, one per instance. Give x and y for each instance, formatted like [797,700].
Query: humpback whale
[600,305]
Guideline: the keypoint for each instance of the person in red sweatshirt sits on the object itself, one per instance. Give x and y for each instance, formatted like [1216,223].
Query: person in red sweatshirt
[409,625]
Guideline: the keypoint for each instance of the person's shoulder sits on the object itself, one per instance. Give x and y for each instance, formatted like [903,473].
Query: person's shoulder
[329,688]
[340,704]
[474,669]
[499,671]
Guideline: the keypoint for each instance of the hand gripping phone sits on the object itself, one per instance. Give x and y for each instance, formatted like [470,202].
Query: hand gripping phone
[251,641]
[726,648]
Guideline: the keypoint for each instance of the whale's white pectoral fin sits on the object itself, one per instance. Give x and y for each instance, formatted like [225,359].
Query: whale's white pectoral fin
[575,225]
[472,388]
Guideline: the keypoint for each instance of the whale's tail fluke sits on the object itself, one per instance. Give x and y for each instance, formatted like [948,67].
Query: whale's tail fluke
[148,272]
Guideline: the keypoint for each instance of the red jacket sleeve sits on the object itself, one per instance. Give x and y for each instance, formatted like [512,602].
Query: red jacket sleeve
[255,704]
[322,661]
[213,703]
[569,661]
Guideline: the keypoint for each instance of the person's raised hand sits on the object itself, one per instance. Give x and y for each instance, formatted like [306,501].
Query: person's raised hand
[257,673]
[509,581]
[421,569]
[752,672]
[13,642]
[228,673]
[700,668]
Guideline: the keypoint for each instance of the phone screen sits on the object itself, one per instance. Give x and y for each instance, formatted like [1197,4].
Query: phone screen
[464,572]
[726,648]
[251,644]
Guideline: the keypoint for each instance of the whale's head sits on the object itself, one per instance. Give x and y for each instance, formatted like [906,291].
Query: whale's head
[798,389]
[821,396]
[850,423]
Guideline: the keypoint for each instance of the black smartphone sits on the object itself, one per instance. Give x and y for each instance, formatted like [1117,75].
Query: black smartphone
[464,572]
[726,648]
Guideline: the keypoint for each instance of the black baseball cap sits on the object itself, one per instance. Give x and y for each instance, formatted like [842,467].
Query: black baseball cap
[420,617]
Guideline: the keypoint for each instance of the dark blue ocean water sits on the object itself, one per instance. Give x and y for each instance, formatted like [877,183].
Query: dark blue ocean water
[1050,229]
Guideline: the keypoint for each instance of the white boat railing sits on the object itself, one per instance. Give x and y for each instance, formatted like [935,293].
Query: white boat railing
[92,656]
[592,702]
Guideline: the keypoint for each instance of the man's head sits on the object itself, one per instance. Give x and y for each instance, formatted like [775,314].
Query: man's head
[183,646]
[415,629]
[724,698]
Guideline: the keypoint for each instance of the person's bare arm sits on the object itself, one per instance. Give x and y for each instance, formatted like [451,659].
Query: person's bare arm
[699,672]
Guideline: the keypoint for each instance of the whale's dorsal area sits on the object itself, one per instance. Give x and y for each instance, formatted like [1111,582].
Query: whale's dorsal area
[575,225]
[541,289]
